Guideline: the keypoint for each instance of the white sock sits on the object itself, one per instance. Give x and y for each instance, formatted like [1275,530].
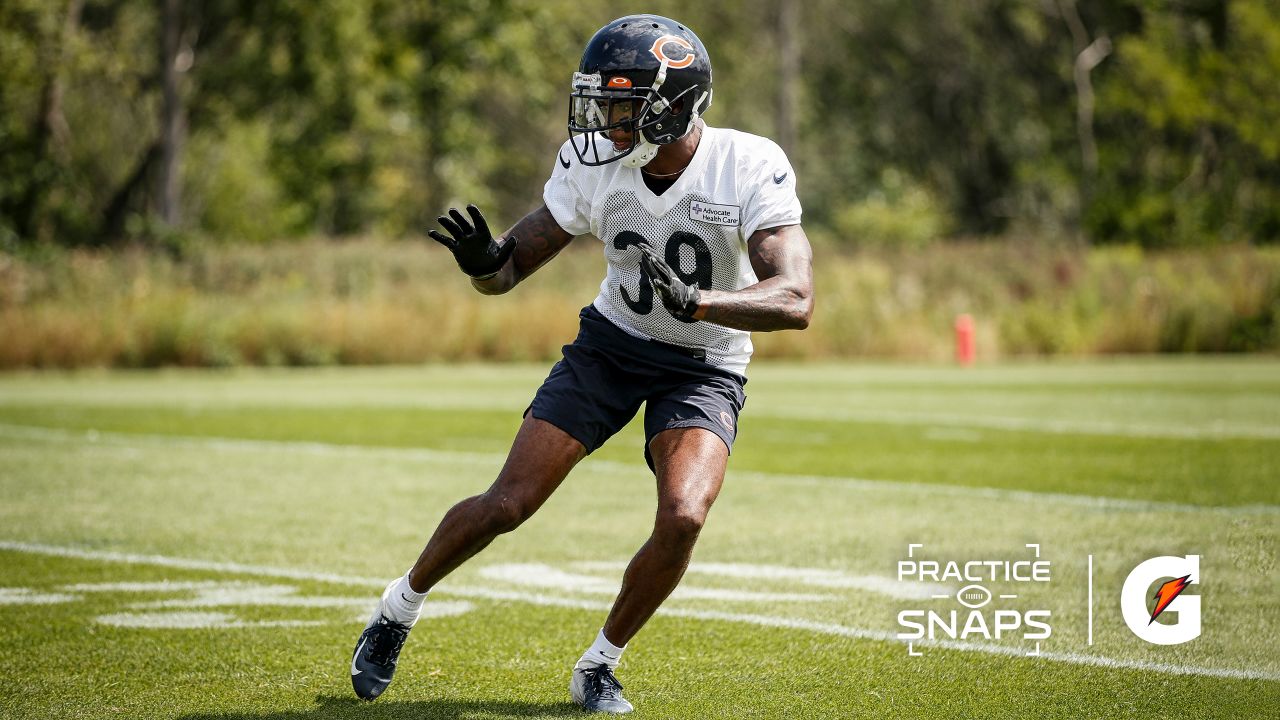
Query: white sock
[601,652]
[400,603]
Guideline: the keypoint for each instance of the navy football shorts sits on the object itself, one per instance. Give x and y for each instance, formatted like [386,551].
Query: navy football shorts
[605,375]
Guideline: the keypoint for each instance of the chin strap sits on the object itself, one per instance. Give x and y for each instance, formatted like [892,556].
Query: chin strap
[641,154]
[702,104]
[645,151]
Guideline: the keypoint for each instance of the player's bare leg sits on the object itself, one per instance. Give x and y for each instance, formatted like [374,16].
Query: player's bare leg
[540,458]
[690,464]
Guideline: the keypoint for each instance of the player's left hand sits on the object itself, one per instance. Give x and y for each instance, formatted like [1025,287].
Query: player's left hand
[680,299]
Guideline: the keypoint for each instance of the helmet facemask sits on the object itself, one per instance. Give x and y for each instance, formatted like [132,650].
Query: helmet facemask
[599,107]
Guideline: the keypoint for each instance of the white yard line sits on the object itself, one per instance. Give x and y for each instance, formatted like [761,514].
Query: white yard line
[495,460]
[31,432]
[822,628]
[1216,431]
[193,621]
[815,577]
[27,596]
[1031,497]
[546,577]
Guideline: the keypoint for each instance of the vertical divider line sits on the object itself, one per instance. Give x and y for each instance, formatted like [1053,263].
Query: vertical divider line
[1091,601]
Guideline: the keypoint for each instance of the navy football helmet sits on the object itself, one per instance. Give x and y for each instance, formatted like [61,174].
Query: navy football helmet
[645,74]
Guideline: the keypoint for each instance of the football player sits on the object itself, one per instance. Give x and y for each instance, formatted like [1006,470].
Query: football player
[700,227]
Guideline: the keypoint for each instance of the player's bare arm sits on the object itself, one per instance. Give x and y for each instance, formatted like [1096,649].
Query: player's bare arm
[538,238]
[781,300]
[498,264]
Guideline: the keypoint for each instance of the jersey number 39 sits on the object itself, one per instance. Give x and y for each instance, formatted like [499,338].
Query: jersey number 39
[700,275]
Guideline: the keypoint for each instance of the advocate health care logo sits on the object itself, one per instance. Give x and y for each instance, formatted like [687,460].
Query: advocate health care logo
[987,605]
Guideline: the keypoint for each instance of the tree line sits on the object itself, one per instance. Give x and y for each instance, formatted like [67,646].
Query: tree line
[1131,121]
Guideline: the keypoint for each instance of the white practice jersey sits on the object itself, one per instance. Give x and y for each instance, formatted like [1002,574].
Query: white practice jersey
[736,184]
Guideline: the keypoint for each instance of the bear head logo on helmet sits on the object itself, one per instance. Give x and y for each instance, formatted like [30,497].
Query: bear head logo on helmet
[643,82]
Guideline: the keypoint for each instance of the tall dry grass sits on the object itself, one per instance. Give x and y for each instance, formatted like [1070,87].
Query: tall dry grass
[371,301]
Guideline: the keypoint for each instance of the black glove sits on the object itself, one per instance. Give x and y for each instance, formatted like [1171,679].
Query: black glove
[473,247]
[680,299]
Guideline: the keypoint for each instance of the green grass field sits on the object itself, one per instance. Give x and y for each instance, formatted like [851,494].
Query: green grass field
[207,544]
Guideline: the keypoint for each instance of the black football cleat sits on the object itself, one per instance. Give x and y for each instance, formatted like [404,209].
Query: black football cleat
[597,690]
[374,660]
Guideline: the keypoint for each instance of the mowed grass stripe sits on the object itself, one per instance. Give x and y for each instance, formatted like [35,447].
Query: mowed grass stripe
[1195,472]
[828,407]
[495,460]
[1173,397]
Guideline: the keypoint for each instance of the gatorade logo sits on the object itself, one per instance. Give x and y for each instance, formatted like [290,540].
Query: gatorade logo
[1177,573]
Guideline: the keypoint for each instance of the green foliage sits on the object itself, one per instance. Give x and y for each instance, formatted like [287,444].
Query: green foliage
[59,171]
[897,215]
[1191,153]
[232,194]
[912,120]
[968,98]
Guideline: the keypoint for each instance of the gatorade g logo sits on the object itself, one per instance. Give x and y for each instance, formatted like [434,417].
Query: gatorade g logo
[1174,574]
[683,59]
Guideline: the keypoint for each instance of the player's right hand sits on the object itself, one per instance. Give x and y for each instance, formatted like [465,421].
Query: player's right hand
[472,244]
[680,298]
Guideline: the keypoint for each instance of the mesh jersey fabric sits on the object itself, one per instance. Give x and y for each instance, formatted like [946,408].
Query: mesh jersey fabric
[735,184]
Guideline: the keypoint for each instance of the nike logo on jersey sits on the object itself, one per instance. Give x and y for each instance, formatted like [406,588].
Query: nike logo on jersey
[563,163]
[777,179]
